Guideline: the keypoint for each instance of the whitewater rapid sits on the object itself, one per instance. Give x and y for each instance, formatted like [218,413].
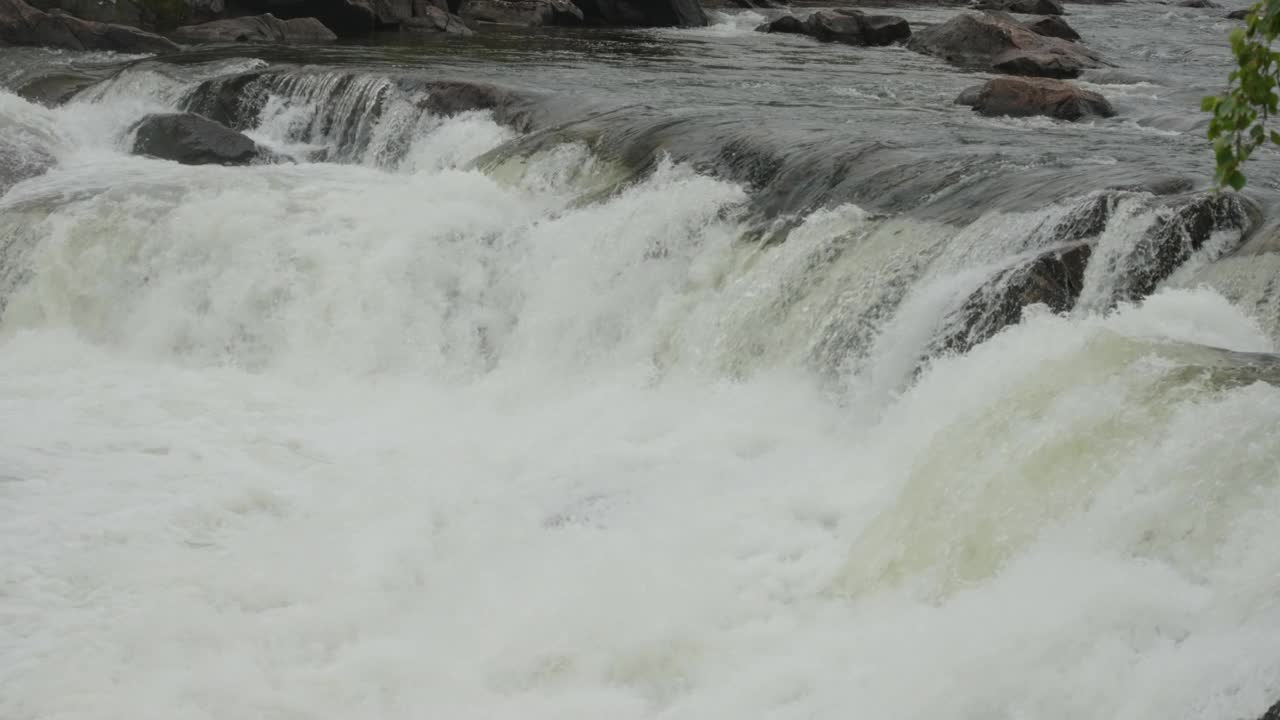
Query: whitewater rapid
[402,437]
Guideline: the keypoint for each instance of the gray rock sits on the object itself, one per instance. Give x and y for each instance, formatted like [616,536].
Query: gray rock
[988,42]
[21,24]
[190,139]
[257,29]
[1238,14]
[1199,4]
[1023,97]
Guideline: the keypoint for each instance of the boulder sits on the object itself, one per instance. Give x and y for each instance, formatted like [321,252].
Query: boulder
[256,28]
[786,24]
[522,12]
[1199,4]
[1025,7]
[988,42]
[437,21]
[852,27]
[21,24]
[642,13]
[1023,97]
[190,139]
[1053,26]
[1238,14]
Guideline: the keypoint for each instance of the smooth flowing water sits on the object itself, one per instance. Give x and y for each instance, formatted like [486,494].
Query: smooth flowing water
[563,409]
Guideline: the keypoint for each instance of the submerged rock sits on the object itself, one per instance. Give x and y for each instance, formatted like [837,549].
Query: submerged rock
[1199,4]
[989,42]
[969,96]
[1025,7]
[1238,15]
[190,139]
[1053,26]
[437,20]
[530,13]
[258,28]
[22,24]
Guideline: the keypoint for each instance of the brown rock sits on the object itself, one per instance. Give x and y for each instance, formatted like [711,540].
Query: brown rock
[1023,97]
[990,42]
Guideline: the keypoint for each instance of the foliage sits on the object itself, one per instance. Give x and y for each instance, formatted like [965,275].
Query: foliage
[1239,124]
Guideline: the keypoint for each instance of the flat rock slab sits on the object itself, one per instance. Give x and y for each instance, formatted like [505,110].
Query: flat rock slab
[257,29]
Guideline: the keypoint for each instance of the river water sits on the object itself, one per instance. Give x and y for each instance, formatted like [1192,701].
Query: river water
[628,399]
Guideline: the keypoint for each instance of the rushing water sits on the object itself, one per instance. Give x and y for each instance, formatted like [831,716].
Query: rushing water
[677,386]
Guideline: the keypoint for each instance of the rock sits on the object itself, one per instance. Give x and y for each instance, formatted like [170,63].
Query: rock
[854,28]
[989,42]
[152,15]
[884,29]
[257,28]
[643,13]
[786,24]
[1023,97]
[1273,713]
[829,26]
[1238,14]
[437,20]
[1024,7]
[190,139]
[21,24]
[969,96]
[1199,4]
[530,13]
[1053,26]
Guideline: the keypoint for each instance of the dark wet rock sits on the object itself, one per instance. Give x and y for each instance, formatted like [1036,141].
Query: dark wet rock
[989,42]
[1053,26]
[643,13]
[437,20]
[1024,97]
[1199,4]
[22,24]
[789,24]
[257,28]
[1238,14]
[1273,713]
[884,29]
[1024,7]
[190,139]
[154,15]
[758,4]
[1183,227]
[1054,278]
[231,101]
[530,13]
[830,26]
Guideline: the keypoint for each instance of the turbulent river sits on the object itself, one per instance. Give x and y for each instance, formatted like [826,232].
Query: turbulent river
[669,380]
